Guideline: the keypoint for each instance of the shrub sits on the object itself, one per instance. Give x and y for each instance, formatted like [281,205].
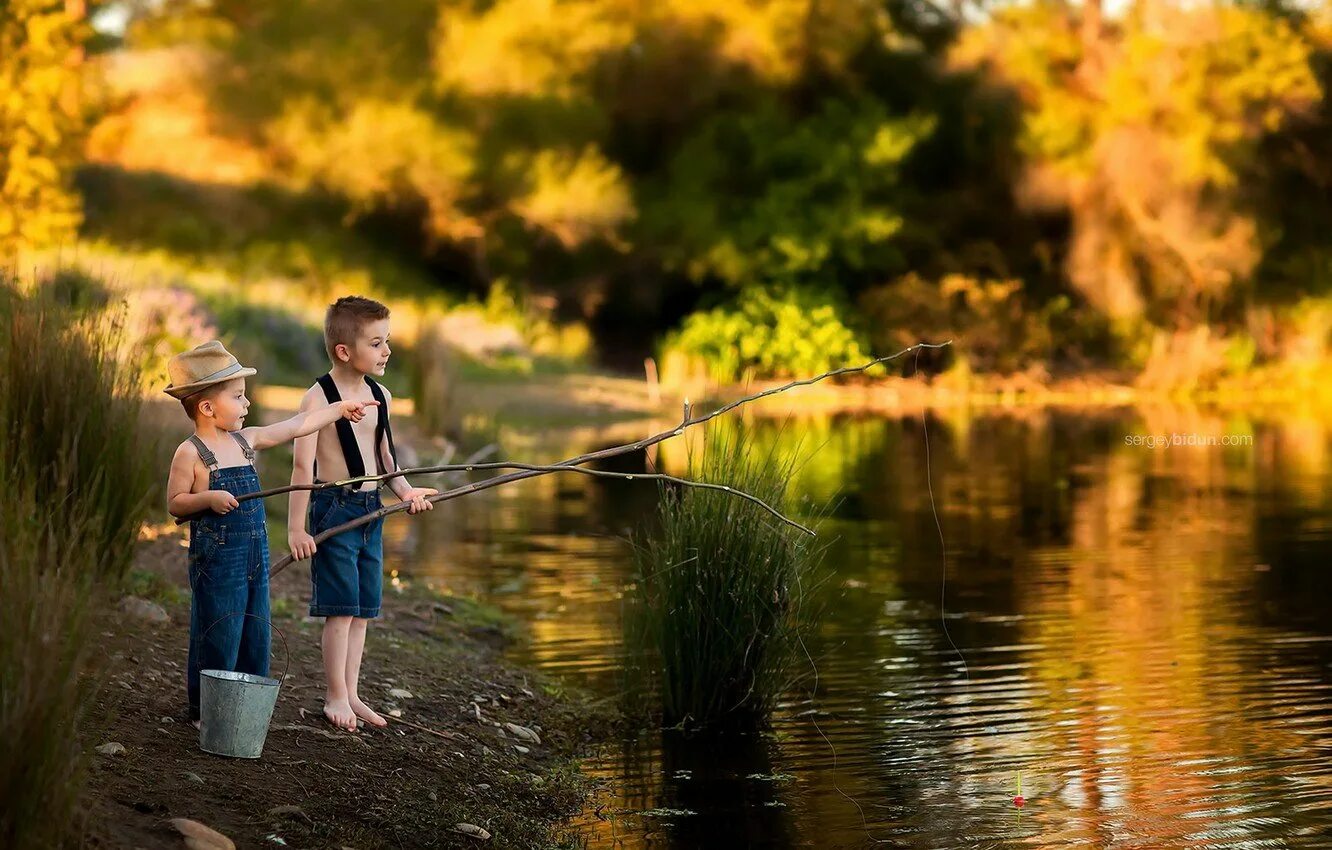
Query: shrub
[766,333]
[716,608]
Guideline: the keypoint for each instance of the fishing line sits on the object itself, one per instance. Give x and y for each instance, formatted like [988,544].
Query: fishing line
[943,545]
[813,718]
[864,822]
[943,588]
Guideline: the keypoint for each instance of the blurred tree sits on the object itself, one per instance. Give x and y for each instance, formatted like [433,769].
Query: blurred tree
[1296,188]
[551,140]
[767,194]
[1144,129]
[40,121]
[1163,163]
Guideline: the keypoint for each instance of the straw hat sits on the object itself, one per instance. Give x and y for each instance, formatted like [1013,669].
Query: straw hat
[201,367]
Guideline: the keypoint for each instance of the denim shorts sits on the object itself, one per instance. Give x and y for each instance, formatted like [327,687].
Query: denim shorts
[347,572]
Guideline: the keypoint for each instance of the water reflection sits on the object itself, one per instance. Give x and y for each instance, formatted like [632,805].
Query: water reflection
[686,791]
[1142,632]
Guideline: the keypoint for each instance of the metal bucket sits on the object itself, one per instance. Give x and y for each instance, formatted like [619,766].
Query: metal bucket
[236,708]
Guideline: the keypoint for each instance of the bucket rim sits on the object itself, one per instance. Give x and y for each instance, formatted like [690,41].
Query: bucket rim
[285,648]
[247,678]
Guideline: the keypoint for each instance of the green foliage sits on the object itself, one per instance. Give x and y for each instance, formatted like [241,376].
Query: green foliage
[767,333]
[261,267]
[76,489]
[1162,168]
[716,610]
[288,350]
[1240,354]
[156,587]
[549,343]
[380,154]
[1206,81]
[254,236]
[1292,198]
[523,132]
[771,195]
[40,120]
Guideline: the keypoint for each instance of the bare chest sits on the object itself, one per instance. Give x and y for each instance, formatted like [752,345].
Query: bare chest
[330,455]
[227,454]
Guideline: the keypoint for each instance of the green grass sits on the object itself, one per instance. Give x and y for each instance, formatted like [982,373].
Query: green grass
[77,475]
[155,588]
[716,611]
[468,612]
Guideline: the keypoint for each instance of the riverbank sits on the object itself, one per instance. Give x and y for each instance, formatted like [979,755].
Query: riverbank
[434,659]
[627,404]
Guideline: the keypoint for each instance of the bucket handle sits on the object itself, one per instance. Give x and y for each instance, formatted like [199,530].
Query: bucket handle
[286,650]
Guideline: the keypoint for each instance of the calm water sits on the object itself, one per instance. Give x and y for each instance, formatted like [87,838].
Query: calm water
[1142,635]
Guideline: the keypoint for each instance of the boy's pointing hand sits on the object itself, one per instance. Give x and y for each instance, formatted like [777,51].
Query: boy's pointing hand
[355,410]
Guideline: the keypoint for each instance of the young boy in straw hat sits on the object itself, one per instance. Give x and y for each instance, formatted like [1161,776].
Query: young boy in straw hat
[229,627]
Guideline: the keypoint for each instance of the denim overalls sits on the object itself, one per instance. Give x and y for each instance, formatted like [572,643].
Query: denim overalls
[228,575]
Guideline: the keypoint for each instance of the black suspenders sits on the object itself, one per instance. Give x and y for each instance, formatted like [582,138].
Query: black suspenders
[351,452]
[383,431]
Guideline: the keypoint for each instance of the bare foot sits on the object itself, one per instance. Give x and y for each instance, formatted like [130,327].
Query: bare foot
[339,713]
[367,713]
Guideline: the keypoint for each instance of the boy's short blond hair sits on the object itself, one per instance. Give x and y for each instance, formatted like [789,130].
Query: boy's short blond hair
[344,320]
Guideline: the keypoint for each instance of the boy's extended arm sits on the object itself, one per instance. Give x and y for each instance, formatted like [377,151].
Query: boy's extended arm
[304,423]
[400,486]
[180,501]
[299,541]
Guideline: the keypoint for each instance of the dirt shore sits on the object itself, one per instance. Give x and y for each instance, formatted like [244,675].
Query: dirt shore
[436,660]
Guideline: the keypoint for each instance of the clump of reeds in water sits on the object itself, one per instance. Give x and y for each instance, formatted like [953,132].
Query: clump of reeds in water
[717,609]
[76,479]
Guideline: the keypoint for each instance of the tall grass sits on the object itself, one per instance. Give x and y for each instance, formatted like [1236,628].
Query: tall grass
[70,416]
[717,608]
[76,479]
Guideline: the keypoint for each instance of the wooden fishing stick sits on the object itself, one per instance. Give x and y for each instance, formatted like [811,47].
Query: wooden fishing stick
[465,466]
[532,467]
[532,471]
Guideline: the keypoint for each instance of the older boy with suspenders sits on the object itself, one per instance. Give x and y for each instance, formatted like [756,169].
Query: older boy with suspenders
[347,572]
